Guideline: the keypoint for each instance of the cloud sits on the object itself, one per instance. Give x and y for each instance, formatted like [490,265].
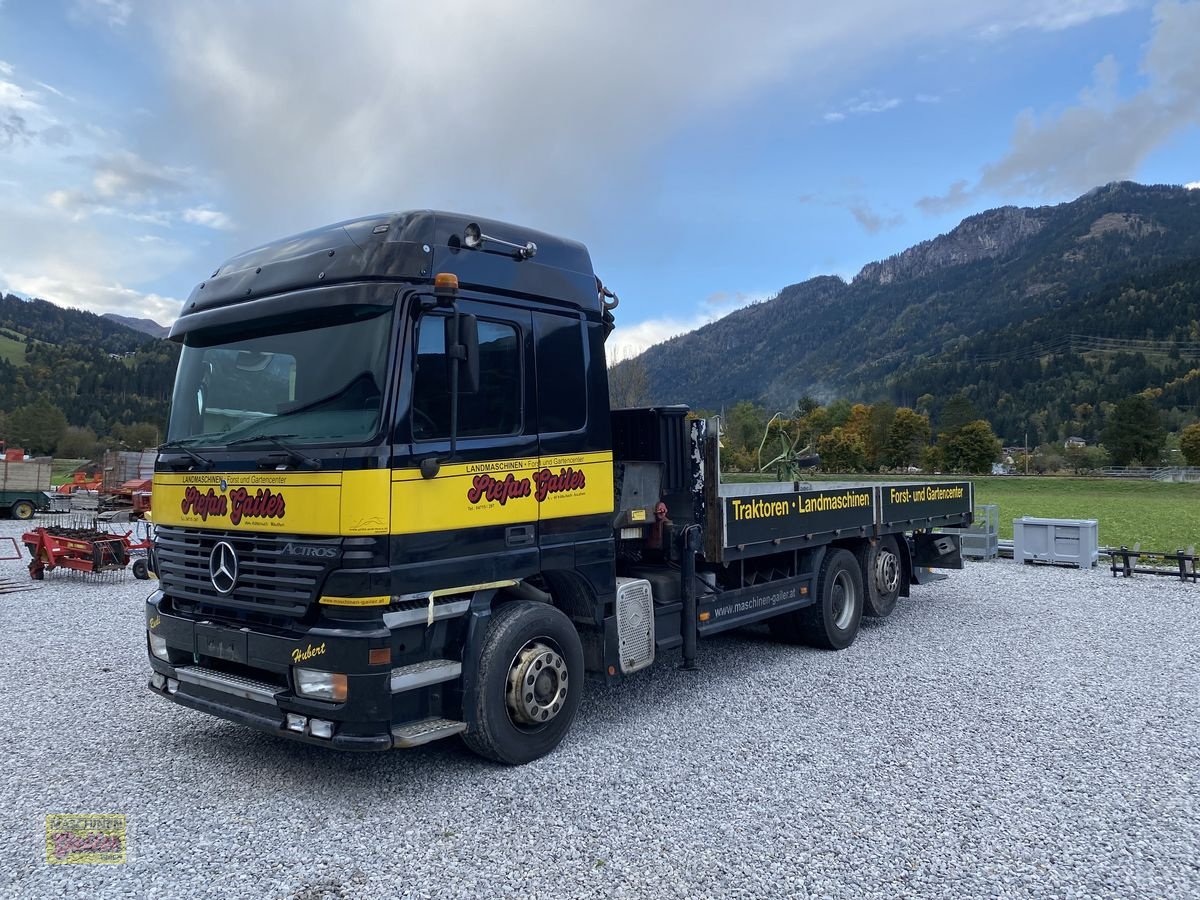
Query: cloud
[113,13]
[491,111]
[871,221]
[1103,138]
[1057,16]
[207,217]
[1193,185]
[866,103]
[627,341]
[13,131]
[874,105]
[97,298]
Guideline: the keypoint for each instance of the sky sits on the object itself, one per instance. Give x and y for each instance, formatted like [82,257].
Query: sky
[709,154]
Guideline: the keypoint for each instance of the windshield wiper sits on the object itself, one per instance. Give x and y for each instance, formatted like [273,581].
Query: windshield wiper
[196,457]
[295,455]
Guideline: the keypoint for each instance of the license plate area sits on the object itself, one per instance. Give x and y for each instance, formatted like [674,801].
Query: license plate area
[221,643]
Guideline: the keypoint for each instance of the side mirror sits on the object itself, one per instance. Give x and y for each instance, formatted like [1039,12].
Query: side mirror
[464,351]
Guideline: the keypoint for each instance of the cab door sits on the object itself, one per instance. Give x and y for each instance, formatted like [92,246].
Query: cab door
[470,518]
[574,481]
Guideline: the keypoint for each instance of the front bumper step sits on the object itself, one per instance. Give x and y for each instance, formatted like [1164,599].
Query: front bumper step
[235,685]
[413,734]
[423,674]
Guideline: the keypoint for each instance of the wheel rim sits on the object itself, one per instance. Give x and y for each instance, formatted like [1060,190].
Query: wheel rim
[887,572]
[844,600]
[23,510]
[537,684]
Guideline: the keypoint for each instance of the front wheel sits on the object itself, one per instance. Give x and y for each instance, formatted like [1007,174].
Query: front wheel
[529,683]
[22,510]
[832,622]
[141,569]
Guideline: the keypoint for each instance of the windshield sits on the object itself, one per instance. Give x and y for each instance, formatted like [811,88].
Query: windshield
[322,381]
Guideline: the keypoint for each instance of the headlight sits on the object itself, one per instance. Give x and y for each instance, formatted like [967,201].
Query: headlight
[320,685]
[158,646]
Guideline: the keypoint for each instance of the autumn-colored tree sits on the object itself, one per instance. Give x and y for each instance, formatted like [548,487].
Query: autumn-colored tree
[907,439]
[842,451]
[1189,444]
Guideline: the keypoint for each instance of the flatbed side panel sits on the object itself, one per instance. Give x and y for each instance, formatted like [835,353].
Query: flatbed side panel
[770,518]
[903,507]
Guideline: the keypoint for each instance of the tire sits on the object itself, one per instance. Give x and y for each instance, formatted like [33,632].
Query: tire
[832,622]
[536,646]
[882,574]
[141,570]
[22,509]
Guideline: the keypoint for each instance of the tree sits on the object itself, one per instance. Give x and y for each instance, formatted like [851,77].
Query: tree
[743,428]
[77,443]
[628,384]
[906,439]
[138,436]
[37,427]
[1135,431]
[958,411]
[841,451]
[1189,444]
[972,448]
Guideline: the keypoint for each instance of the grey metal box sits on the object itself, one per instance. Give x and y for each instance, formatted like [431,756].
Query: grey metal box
[982,539]
[1073,542]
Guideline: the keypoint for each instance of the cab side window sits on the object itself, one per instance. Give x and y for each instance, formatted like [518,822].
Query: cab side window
[561,384]
[494,410]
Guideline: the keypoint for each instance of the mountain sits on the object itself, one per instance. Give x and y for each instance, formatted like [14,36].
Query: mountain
[1118,268]
[146,326]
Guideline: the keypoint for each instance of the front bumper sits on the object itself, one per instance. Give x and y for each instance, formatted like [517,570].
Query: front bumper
[245,676]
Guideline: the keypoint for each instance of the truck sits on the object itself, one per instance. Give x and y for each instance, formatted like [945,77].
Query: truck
[394,505]
[23,485]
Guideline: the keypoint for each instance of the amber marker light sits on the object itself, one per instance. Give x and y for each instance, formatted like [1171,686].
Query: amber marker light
[446,281]
[381,656]
[705,616]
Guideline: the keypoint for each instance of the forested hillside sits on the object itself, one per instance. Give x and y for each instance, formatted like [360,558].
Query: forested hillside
[71,380]
[988,311]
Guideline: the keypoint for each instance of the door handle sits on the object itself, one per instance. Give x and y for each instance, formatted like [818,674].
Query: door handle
[519,535]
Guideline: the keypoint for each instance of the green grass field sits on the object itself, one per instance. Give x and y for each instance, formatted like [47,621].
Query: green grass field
[12,349]
[1158,515]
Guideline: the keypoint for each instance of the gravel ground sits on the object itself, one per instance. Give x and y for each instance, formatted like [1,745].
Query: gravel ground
[1012,731]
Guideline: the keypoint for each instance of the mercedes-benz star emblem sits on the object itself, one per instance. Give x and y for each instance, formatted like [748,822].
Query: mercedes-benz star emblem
[223,567]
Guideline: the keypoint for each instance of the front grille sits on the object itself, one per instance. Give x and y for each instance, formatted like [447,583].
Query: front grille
[267,581]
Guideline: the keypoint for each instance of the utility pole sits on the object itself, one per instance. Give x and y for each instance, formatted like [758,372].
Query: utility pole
[1026,451]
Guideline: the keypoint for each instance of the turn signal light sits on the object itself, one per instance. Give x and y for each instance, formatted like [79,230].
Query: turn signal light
[380,656]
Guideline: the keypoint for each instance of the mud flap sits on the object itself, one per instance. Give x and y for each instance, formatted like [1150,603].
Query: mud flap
[935,550]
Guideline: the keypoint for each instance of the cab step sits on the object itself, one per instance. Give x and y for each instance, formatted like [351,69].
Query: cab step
[413,734]
[422,674]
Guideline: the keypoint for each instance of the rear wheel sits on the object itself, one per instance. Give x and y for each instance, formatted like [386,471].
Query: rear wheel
[882,572]
[22,509]
[529,683]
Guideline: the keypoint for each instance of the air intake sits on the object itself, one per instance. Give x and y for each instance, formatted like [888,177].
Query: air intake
[635,624]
